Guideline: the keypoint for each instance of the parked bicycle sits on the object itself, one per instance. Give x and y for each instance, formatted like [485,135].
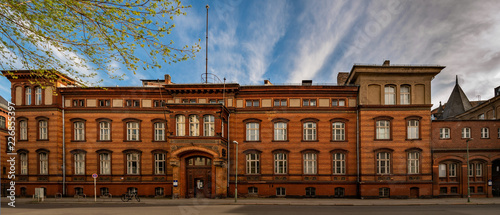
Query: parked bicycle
[128,196]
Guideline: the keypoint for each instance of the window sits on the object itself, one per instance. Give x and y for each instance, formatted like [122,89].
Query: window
[310,191]
[444,133]
[405,95]
[452,172]
[339,192]
[199,161]
[481,116]
[475,169]
[38,95]
[104,103]
[309,102]
[338,131]
[413,162]
[132,190]
[383,163]
[466,133]
[159,163]
[252,103]
[310,165]
[180,122]
[453,190]
[280,163]
[471,189]
[498,132]
[413,129]
[443,190]
[23,130]
[159,191]
[194,126]
[280,103]
[442,170]
[27,92]
[78,103]
[338,102]
[253,163]
[159,131]
[338,163]
[479,169]
[44,163]
[158,103]
[42,130]
[252,131]
[105,164]
[23,159]
[132,131]
[132,164]
[384,192]
[132,103]
[309,131]
[79,191]
[185,101]
[104,191]
[485,133]
[253,190]
[2,122]
[280,191]
[79,163]
[280,131]
[480,189]
[212,101]
[209,126]
[390,95]
[383,130]
[104,131]
[79,128]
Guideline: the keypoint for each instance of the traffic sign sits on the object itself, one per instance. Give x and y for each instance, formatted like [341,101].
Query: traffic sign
[94,175]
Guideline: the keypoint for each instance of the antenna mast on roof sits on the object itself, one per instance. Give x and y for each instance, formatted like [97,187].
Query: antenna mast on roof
[206,51]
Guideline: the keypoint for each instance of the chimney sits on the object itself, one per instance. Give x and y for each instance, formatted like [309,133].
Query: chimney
[342,78]
[267,82]
[307,82]
[387,63]
[168,79]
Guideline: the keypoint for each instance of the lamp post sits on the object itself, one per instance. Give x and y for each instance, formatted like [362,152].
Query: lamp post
[468,170]
[236,179]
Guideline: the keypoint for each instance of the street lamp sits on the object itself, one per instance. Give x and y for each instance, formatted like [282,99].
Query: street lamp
[468,170]
[236,181]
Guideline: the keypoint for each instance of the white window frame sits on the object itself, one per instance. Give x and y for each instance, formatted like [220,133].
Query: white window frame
[44,163]
[133,164]
[466,132]
[390,95]
[133,131]
[105,163]
[79,128]
[383,129]
[23,159]
[479,169]
[280,191]
[159,131]
[310,163]
[253,163]
[310,131]
[338,131]
[194,126]
[485,133]
[413,162]
[413,129]
[252,131]
[79,159]
[444,133]
[383,163]
[180,125]
[38,95]
[280,131]
[405,98]
[27,91]
[104,131]
[280,163]
[442,170]
[23,130]
[159,163]
[338,163]
[42,126]
[452,170]
[209,126]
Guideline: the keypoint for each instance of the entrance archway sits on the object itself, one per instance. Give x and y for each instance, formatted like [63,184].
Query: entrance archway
[199,177]
[495,177]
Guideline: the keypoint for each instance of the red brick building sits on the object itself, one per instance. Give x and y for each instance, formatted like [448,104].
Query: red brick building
[367,136]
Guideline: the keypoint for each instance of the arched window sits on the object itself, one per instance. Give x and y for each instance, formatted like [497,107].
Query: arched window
[194,126]
[338,131]
[383,163]
[27,91]
[390,95]
[23,130]
[180,122]
[208,125]
[38,95]
[310,163]
[338,163]
[405,95]
[159,131]
[42,130]
[309,131]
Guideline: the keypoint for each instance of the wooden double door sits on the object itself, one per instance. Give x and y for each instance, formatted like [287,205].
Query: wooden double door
[199,182]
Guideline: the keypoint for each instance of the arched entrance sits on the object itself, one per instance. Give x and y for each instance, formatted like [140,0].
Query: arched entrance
[495,177]
[198,177]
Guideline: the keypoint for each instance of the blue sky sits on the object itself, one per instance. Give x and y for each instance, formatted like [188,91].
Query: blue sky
[288,41]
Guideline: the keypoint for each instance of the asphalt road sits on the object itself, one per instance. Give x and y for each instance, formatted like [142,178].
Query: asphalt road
[64,209]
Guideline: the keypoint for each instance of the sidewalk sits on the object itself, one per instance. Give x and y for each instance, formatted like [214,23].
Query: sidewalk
[268,201]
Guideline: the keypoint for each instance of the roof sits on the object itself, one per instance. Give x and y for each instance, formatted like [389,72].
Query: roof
[3,103]
[457,102]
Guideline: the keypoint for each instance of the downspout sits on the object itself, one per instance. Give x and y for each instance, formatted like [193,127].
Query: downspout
[228,153]
[63,150]
[358,179]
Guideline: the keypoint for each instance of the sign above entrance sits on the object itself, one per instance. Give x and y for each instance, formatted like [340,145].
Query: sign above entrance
[175,183]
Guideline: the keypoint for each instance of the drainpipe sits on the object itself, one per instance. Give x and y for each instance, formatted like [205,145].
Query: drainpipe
[358,179]
[228,154]
[64,151]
